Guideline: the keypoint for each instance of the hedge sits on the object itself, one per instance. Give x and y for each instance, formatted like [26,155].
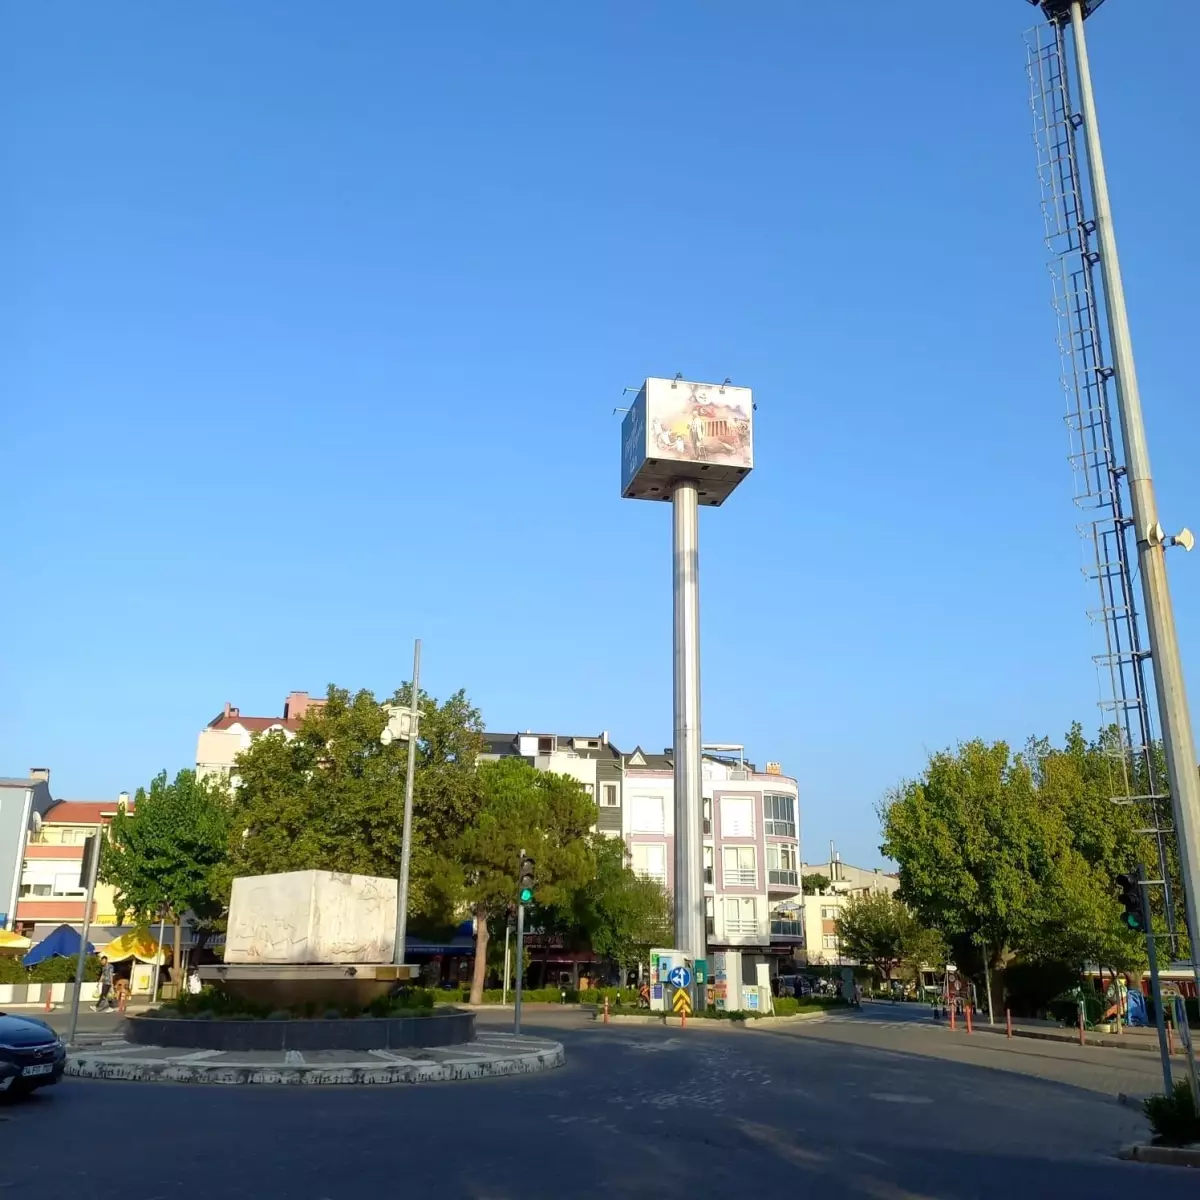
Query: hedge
[49,970]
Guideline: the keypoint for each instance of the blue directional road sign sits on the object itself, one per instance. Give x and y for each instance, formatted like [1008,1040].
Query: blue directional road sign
[680,978]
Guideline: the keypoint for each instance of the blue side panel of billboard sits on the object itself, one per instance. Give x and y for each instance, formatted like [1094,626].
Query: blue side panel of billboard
[633,441]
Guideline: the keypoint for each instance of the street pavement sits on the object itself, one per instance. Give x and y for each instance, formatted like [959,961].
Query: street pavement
[878,1105]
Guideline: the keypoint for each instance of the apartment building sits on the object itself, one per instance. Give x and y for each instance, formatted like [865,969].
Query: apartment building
[823,907]
[229,733]
[751,845]
[22,803]
[51,893]
[590,758]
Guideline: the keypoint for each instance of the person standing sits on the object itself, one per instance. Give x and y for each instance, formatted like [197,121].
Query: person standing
[106,985]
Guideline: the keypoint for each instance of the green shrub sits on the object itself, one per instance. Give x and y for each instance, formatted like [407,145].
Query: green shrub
[1174,1117]
[11,970]
[550,995]
[62,970]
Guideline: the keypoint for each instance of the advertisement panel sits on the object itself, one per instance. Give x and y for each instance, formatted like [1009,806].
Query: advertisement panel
[677,430]
[699,423]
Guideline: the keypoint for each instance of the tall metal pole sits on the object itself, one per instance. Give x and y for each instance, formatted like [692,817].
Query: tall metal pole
[162,928]
[519,986]
[507,963]
[1178,742]
[1159,1020]
[409,774]
[690,935]
[83,936]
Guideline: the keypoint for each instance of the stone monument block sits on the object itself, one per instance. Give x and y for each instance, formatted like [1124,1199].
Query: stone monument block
[306,917]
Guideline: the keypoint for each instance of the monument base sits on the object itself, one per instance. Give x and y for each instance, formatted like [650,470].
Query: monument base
[287,985]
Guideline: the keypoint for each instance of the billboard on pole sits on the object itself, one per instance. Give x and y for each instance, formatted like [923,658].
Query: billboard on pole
[677,429]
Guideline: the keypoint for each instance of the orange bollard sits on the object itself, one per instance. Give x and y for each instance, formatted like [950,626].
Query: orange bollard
[969,1028]
[606,1010]
[49,1002]
[1008,1022]
[1082,1032]
[953,1010]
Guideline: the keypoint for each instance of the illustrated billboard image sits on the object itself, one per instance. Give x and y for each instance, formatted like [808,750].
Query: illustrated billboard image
[699,423]
[677,430]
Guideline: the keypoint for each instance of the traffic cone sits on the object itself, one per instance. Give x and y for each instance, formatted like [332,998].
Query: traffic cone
[49,1005]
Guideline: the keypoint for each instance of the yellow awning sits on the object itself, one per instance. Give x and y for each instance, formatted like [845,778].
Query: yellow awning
[138,944]
[13,941]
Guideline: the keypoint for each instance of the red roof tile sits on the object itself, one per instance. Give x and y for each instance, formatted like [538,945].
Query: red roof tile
[81,812]
[251,724]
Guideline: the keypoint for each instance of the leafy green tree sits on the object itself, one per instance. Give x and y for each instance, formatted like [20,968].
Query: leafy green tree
[617,913]
[548,816]
[1015,854]
[332,797]
[816,882]
[162,858]
[877,928]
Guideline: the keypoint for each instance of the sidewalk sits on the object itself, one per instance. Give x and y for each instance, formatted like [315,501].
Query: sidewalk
[1139,1039]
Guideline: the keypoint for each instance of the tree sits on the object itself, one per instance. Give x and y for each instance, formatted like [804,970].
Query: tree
[547,816]
[1015,854]
[811,884]
[619,914]
[879,929]
[162,857]
[332,797]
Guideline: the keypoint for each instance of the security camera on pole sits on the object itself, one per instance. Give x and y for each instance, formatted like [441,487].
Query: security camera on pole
[691,444]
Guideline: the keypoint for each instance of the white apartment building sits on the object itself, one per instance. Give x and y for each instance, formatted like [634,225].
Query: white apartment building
[229,733]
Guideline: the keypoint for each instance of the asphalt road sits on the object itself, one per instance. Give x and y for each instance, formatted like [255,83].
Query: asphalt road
[881,1106]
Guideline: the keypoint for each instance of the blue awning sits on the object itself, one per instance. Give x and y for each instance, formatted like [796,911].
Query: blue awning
[62,943]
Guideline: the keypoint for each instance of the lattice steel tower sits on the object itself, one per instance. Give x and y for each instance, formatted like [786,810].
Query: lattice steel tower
[1113,488]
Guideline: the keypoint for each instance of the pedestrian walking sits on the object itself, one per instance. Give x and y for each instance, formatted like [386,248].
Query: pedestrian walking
[104,999]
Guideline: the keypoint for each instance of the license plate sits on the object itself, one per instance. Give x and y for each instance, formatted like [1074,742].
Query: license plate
[38,1069]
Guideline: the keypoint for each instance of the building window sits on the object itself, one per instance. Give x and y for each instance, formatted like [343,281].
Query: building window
[781,864]
[608,796]
[650,860]
[741,915]
[779,815]
[547,745]
[708,864]
[829,913]
[829,941]
[738,867]
[35,889]
[737,816]
[646,814]
[706,809]
[710,915]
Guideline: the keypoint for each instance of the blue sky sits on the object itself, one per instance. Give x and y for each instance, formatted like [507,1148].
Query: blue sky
[315,316]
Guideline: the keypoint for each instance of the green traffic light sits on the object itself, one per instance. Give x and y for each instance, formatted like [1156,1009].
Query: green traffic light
[1133,921]
[526,895]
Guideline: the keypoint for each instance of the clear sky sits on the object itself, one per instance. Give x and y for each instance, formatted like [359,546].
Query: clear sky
[314,317]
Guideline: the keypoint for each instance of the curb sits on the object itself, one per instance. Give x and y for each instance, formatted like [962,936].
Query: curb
[708,1022]
[145,1070]
[1137,1103]
[1167,1156]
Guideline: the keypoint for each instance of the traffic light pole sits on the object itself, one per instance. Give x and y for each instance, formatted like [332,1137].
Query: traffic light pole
[520,968]
[1163,1053]
[520,949]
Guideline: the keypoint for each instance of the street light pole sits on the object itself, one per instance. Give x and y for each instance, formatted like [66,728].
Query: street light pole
[406,843]
[1174,718]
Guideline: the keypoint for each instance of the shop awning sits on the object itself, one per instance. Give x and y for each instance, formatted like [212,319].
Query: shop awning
[139,944]
[63,943]
[13,941]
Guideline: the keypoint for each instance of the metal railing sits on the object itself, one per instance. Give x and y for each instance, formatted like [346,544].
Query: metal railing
[740,876]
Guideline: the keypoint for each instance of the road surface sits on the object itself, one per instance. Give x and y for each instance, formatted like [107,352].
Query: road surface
[877,1106]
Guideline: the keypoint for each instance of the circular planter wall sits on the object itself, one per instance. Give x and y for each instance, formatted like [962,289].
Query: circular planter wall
[346,1033]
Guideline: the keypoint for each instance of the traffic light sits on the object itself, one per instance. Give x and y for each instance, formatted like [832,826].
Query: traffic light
[1134,916]
[525,884]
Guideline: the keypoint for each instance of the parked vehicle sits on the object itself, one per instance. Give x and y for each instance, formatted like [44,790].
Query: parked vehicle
[31,1054]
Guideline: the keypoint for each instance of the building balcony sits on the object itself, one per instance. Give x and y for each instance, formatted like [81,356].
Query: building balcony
[783,881]
[787,929]
[739,877]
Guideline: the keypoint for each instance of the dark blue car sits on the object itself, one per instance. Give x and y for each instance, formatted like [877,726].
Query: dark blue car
[31,1054]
